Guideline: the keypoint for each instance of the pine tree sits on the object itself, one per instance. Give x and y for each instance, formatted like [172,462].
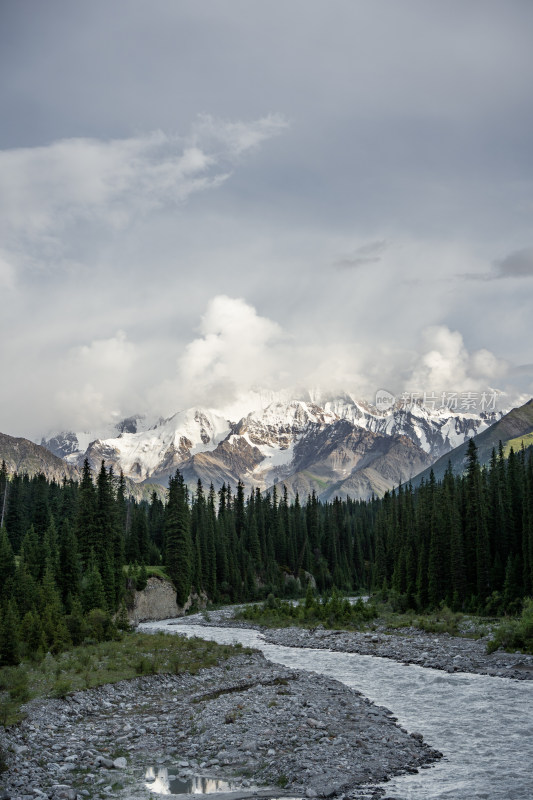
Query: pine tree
[9,637]
[25,590]
[3,493]
[32,635]
[7,559]
[69,563]
[437,558]
[156,521]
[75,622]
[86,516]
[16,517]
[178,543]
[32,555]
[41,510]
[476,534]
[51,548]
[93,592]
[52,613]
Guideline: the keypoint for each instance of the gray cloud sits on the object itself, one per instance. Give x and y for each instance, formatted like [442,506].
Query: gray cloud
[365,254]
[518,264]
[143,177]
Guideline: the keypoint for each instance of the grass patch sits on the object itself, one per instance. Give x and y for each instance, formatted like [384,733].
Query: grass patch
[157,569]
[322,483]
[93,665]
[526,440]
[440,621]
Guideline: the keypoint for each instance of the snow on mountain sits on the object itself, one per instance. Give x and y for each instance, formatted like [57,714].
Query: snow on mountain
[322,441]
[69,445]
[436,431]
[279,423]
[139,450]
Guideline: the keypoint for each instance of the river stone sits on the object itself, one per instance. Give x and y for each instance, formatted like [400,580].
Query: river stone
[102,761]
[266,702]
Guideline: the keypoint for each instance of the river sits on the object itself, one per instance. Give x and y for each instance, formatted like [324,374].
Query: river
[483,725]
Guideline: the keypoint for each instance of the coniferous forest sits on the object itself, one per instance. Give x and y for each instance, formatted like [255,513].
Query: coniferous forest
[72,554]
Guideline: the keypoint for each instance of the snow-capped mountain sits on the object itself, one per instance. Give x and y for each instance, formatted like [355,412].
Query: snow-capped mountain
[139,448]
[336,445]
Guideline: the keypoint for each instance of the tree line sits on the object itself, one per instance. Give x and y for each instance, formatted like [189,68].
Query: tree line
[466,541]
[72,553]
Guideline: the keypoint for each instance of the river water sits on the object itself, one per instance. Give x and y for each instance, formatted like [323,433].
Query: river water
[482,725]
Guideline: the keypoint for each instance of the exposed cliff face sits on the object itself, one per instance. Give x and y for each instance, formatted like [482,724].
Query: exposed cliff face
[158,601]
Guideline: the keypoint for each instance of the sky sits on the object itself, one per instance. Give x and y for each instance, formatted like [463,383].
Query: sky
[200,198]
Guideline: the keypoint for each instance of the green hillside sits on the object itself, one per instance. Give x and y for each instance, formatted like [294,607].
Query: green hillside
[516,444]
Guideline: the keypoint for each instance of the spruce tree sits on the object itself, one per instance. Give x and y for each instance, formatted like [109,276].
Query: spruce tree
[69,563]
[86,515]
[32,555]
[32,635]
[7,559]
[93,593]
[9,637]
[178,543]
[3,493]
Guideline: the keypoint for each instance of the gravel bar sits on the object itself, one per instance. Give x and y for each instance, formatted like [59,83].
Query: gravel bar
[270,730]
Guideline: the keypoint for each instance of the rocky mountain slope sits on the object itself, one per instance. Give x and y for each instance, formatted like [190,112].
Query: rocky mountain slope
[23,456]
[27,458]
[514,427]
[334,446]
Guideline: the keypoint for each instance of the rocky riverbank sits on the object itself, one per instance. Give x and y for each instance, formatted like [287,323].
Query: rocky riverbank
[410,646]
[438,651]
[248,721]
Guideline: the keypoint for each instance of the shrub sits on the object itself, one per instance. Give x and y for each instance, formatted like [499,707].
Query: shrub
[61,687]
[515,634]
[19,689]
[100,625]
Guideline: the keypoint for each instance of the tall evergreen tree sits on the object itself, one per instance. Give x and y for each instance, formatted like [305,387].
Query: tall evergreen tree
[178,543]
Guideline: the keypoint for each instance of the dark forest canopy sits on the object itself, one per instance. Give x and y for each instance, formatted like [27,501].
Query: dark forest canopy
[65,548]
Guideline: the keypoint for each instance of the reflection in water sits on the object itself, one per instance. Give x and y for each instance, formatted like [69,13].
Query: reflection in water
[168,782]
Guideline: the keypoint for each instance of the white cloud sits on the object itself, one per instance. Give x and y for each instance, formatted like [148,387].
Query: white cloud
[47,190]
[234,138]
[236,349]
[107,356]
[444,364]
[98,383]
[237,352]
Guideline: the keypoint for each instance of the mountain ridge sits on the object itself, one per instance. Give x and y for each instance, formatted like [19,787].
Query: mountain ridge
[338,444]
[25,457]
[516,423]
